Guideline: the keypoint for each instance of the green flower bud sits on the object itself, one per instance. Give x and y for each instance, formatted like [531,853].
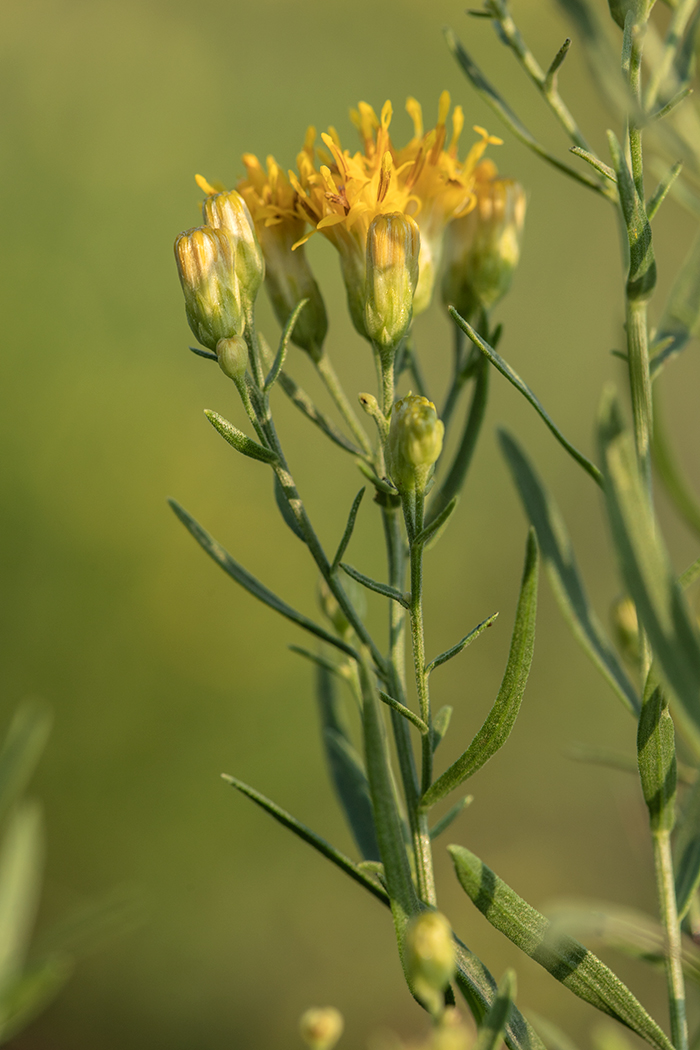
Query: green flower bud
[206,264]
[288,279]
[626,628]
[233,357]
[414,442]
[228,211]
[430,959]
[483,248]
[393,246]
[321,1027]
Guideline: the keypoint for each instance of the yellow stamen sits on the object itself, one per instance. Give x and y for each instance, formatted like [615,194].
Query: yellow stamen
[415,112]
[384,177]
[443,107]
[457,126]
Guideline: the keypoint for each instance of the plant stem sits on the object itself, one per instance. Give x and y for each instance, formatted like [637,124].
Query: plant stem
[418,642]
[640,384]
[335,389]
[674,972]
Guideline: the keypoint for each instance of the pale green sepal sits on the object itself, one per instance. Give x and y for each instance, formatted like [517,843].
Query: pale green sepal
[374,585]
[492,1029]
[504,368]
[445,822]
[501,718]
[347,534]
[441,724]
[656,755]
[278,364]
[686,851]
[564,578]
[239,440]
[21,749]
[30,992]
[224,560]
[641,278]
[566,959]
[646,568]
[682,311]
[434,530]
[285,510]
[323,847]
[461,646]
[21,861]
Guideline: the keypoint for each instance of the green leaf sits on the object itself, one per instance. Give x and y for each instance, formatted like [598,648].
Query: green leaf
[660,193]
[224,560]
[669,471]
[553,1036]
[309,836]
[432,532]
[504,368]
[21,859]
[460,646]
[274,372]
[239,440]
[30,992]
[373,585]
[21,750]
[566,959]
[563,573]
[690,575]
[679,321]
[686,851]
[286,511]
[492,1029]
[646,569]
[656,754]
[305,405]
[641,278]
[406,712]
[441,724]
[445,822]
[595,162]
[347,534]
[501,718]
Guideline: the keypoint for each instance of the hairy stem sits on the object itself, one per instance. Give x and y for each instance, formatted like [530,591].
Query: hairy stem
[669,915]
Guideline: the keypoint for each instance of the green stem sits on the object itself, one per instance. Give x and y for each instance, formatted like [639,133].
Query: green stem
[674,972]
[640,384]
[335,389]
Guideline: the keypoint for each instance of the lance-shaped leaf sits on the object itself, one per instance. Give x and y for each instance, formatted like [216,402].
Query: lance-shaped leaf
[641,278]
[501,718]
[278,363]
[460,646]
[239,440]
[646,569]
[681,315]
[246,580]
[21,859]
[686,851]
[554,1037]
[445,822]
[432,532]
[493,1027]
[345,767]
[21,750]
[441,723]
[669,470]
[374,585]
[566,959]
[563,573]
[305,405]
[349,528]
[656,755]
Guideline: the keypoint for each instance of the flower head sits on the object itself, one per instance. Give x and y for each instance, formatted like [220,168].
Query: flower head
[206,262]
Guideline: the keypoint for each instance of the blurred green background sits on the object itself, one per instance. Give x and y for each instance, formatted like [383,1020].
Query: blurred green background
[161,672]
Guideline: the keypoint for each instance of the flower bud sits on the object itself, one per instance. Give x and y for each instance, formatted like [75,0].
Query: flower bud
[626,627]
[233,357]
[430,959]
[321,1027]
[414,442]
[228,211]
[393,246]
[483,248]
[288,279]
[206,262]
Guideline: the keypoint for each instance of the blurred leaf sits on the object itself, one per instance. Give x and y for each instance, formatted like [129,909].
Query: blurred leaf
[566,959]
[460,646]
[240,441]
[679,321]
[504,368]
[501,718]
[690,575]
[309,836]
[286,511]
[604,62]
[253,586]
[560,563]
[21,860]
[21,750]
[444,822]
[605,1037]
[641,278]
[89,927]
[374,585]
[30,992]
[668,470]
[441,724]
[646,569]
[686,851]
[553,1036]
[492,1028]
[656,752]
[347,534]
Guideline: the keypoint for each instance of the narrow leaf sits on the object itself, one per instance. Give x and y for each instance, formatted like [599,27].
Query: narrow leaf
[285,510]
[445,822]
[441,724]
[274,372]
[659,195]
[690,575]
[304,403]
[566,959]
[646,569]
[21,750]
[204,353]
[461,646]
[352,788]
[21,859]
[641,278]
[656,754]
[406,712]
[553,1036]
[501,718]
[504,368]
[669,471]
[435,528]
[563,573]
[594,161]
[347,534]
[323,847]
[224,560]
[493,1027]
[686,851]
[679,321]
[374,585]
[239,440]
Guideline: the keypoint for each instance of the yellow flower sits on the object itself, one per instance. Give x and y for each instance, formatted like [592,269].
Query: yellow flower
[424,179]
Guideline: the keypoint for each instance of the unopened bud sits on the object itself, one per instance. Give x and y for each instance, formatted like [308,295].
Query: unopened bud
[483,248]
[321,1027]
[228,211]
[414,442]
[288,279]
[430,959]
[626,627]
[233,357]
[206,264]
[393,246]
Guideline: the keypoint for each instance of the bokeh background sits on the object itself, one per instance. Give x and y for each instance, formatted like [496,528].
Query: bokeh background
[162,673]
